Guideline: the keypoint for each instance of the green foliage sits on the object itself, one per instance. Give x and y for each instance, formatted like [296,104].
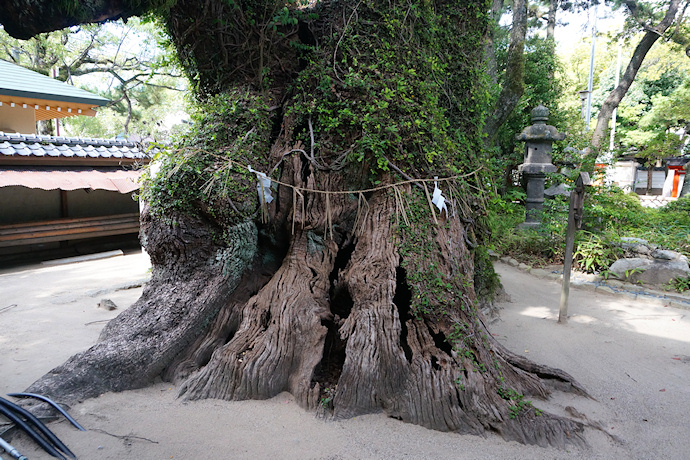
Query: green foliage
[433,292]
[669,227]
[326,400]
[655,146]
[594,253]
[397,88]
[670,110]
[463,341]
[654,104]
[486,280]
[609,208]
[206,170]
[534,246]
[130,64]
[518,403]
[681,205]
[679,284]
[541,87]
[150,108]
[609,214]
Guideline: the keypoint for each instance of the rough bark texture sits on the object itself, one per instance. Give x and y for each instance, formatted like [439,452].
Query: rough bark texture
[186,292]
[490,53]
[349,290]
[614,98]
[514,84]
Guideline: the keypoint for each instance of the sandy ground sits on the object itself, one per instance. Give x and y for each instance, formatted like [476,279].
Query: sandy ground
[631,356]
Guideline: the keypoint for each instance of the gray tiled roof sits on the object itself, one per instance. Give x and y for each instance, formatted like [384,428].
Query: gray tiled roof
[20,82]
[26,145]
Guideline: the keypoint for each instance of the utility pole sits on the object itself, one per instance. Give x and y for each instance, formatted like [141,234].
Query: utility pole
[588,115]
[617,81]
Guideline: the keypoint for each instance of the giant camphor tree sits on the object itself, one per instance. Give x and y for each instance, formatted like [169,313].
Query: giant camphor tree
[346,286]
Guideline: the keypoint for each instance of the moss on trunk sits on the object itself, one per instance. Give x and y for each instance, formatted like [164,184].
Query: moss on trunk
[356,294]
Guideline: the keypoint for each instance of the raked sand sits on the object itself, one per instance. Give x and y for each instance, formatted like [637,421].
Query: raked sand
[633,358]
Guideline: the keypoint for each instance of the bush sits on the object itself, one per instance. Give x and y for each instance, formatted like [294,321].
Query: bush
[609,214]
[681,205]
[594,253]
[669,227]
[609,208]
[537,247]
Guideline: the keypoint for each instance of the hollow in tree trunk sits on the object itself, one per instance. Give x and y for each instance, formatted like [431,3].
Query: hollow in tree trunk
[347,287]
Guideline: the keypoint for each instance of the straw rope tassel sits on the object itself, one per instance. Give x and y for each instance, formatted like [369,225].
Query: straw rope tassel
[359,213]
[402,202]
[400,207]
[296,193]
[304,212]
[397,206]
[362,212]
[452,201]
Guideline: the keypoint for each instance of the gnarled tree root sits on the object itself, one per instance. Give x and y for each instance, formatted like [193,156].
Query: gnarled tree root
[334,326]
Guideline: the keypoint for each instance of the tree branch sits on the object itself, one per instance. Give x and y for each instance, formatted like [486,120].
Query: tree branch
[614,98]
[26,19]
[680,19]
[490,53]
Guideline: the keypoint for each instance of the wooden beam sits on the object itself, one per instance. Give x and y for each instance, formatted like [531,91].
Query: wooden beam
[45,109]
[68,229]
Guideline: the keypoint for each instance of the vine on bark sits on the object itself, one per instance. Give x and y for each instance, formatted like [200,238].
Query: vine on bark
[355,303]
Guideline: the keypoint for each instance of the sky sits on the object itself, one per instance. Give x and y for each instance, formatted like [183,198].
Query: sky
[573,28]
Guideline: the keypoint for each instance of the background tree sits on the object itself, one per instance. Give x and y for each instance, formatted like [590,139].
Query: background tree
[532,84]
[133,62]
[347,288]
[671,112]
[640,15]
[513,83]
[639,122]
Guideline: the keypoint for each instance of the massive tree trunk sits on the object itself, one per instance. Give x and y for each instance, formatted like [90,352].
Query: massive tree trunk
[614,98]
[347,288]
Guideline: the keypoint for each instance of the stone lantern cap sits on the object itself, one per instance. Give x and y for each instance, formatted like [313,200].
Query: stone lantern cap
[539,131]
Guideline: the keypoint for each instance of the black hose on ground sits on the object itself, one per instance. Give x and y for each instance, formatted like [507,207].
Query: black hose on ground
[48,447]
[52,403]
[31,418]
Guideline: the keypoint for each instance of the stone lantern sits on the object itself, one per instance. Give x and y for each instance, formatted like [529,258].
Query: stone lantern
[538,140]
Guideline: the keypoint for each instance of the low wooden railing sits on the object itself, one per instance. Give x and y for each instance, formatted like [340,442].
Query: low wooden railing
[68,229]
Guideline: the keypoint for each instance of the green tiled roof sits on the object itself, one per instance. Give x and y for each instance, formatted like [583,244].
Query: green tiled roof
[20,82]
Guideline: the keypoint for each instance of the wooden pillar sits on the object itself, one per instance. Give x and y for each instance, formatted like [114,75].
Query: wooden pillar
[64,212]
[64,207]
[577,201]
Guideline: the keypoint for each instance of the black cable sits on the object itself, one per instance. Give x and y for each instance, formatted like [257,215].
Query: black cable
[52,403]
[31,418]
[12,417]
